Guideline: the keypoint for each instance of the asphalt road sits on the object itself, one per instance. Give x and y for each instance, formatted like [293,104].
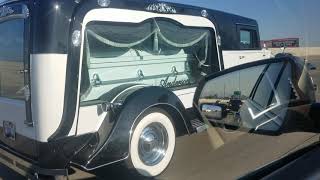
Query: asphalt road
[197,157]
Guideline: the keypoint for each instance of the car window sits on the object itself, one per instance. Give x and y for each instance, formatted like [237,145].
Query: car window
[245,39]
[248,39]
[156,52]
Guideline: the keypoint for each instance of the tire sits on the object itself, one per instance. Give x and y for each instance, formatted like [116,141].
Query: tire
[153,133]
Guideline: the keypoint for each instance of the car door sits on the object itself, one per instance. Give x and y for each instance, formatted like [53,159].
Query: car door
[255,113]
[17,128]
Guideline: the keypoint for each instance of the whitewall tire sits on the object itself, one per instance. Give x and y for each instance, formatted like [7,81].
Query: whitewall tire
[152,143]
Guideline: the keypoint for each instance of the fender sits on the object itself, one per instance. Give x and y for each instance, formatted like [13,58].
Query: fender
[67,148]
[116,147]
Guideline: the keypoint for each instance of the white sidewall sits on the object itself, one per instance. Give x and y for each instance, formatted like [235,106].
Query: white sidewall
[134,153]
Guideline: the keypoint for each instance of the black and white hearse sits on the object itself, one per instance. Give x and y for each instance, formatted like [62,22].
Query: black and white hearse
[93,82]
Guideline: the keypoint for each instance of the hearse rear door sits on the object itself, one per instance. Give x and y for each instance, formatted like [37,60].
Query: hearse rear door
[17,130]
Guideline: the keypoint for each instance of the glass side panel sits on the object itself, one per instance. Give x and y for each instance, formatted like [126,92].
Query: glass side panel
[245,39]
[11,59]
[157,52]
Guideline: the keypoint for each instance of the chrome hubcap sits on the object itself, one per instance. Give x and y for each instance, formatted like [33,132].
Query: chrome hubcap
[153,144]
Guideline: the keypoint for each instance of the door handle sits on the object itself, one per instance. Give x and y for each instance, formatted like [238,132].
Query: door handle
[26,91]
[29,123]
[22,71]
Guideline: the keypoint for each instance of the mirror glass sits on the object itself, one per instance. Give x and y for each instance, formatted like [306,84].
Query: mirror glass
[255,98]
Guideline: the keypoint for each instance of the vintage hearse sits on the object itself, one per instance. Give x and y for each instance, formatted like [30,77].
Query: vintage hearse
[89,83]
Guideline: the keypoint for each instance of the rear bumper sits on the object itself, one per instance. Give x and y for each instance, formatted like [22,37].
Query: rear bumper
[25,168]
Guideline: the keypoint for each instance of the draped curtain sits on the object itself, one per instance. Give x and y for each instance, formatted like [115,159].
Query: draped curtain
[159,41]
[155,35]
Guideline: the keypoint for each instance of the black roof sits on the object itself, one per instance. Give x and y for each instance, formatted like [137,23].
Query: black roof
[52,30]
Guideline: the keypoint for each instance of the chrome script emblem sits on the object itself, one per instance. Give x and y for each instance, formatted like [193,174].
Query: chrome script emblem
[161,8]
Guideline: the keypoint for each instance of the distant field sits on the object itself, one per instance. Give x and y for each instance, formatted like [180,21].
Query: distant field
[11,81]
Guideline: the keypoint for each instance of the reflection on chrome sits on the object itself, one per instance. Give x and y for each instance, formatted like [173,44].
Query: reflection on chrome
[153,144]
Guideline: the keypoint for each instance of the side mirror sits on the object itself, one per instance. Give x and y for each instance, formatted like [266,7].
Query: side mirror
[212,111]
[264,96]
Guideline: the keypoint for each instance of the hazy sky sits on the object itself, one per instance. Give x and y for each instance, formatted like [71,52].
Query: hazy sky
[276,18]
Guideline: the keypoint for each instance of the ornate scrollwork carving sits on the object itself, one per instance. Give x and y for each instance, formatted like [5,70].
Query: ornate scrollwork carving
[161,8]
[5,11]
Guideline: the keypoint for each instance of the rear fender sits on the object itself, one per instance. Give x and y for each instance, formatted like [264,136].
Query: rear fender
[116,147]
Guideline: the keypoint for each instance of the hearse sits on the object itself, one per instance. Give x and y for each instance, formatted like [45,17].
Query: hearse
[91,83]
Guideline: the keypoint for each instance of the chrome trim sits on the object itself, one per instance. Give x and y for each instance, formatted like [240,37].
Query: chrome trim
[76,38]
[153,144]
[161,8]
[135,86]
[104,3]
[89,169]
[204,13]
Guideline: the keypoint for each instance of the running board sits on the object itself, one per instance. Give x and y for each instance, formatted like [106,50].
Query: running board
[198,125]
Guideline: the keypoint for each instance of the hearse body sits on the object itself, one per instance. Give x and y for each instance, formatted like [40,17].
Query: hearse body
[94,82]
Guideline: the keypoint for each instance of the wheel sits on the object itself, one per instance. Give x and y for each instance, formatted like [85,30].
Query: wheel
[152,143]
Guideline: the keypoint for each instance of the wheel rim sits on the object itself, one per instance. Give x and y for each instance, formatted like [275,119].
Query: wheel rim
[153,144]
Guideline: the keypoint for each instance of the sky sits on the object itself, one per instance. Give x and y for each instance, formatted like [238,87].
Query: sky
[276,18]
